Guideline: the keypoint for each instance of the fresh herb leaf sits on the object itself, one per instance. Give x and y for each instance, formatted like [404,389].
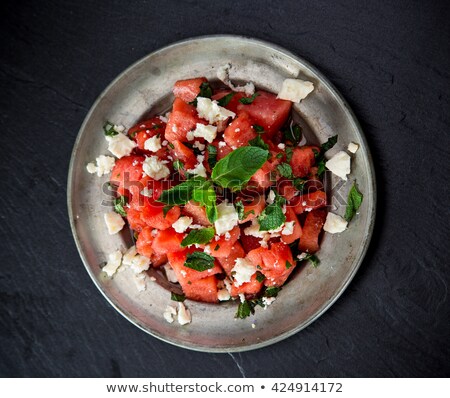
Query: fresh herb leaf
[156,126]
[320,156]
[329,144]
[198,236]
[166,209]
[259,129]
[320,167]
[293,134]
[258,142]
[242,215]
[354,201]
[178,164]
[313,258]
[171,145]
[285,170]
[272,291]
[244,310]
[181,193]
[289,151]
[206,196]
[177,297]
[236,169]
[217,247]
[109,130]
[299,183]
[224,101]
[212,156]
[248,100]
[288,264]
[119,205]
[279,155]
[199,261]
[205,92]
[260,277]
[272,217]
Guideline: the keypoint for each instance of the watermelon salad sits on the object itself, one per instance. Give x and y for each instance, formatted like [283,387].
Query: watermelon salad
[222,193]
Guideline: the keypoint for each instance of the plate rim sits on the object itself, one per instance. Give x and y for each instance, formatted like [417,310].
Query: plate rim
[371,182]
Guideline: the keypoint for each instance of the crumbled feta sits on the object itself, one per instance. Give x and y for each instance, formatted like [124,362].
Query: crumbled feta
[153,144]
[295,90]
[120,145]
[182,224]
[184,315]
[222,144]
[139,264]
[139,280]
[223,74]
[243,271]
[147,192]
[199,145]
[169,313]
[170,273]
[104,165]
[164,143]
[119,128]
[227,218]
[208,132]
[241,297]
[334,224]
[155,168]
[211,111]
[288,228]
[114,261]
[267,301]
[199,169]
[114,222]
[301,256]
[227,236]
[352,147]
[164,118]
[281,146]
[223,294]
[129,255]
[196,226]
[339,164]
[270,197]
[253,230]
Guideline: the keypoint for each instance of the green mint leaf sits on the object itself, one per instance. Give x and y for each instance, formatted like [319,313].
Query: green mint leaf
[156,126]
[354,201]
[242,215]
[285,170]
[329,144]
[259,129]
[260,277]
[299,183]
[289,151]
[199,261]
[236,169]
[178,164]
[313,258]
[212,156]
[119,205]
[279,155]
[293,134]
[198,236]
[248,100]
[181,193]
[205,91]
[320,167]
[177,297]
[244,310]
[217,247]
[206,196]
[109,130]
[171,145]
[272,291]
[258,142]
[272,217]
[166,209]
[224,101]
[288,264]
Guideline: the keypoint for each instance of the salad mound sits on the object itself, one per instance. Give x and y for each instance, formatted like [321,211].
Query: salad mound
[223,192]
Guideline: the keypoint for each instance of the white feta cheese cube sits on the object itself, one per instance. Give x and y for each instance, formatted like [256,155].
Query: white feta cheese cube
[170,273]
[155,168]
[295,90]
[270,197]
[267,301]
[120,145]
[105,164]
[129,255]
[208,132]
[91,168]
[140,264]
[339,164]
[153,144]
[288,228]
[281,146]
[352,147]
[169,313]
[199,169]
[139,280]
[147,192]
[222,144]
[184,315]
[114,262]
[114,222]
[243,271]
[334,224]
[253,230]
[199,145]
[211,111]
[182,224]
[223,294]
[227,218]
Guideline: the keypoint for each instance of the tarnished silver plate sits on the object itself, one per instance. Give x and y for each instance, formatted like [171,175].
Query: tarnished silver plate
[145,89]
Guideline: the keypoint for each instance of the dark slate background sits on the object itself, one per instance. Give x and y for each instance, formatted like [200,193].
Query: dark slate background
[391,62]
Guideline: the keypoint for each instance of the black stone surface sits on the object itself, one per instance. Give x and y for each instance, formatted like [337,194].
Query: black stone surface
[390,60]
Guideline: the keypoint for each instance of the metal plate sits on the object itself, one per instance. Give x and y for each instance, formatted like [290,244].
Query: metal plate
[145,89]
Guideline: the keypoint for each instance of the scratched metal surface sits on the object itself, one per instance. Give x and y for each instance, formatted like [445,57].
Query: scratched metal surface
[390,62]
